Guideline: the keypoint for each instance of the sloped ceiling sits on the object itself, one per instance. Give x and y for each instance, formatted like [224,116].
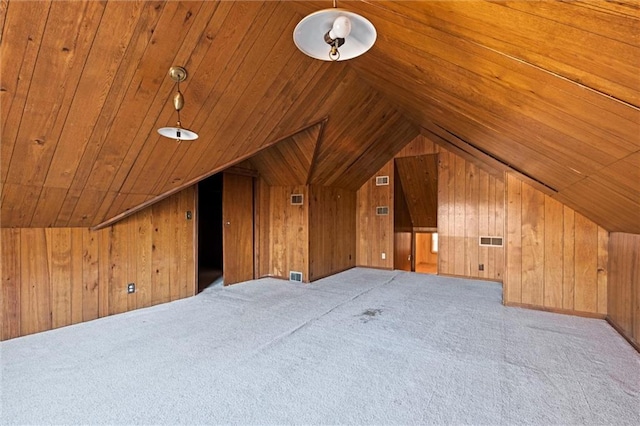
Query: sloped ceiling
[551,89]
[419,180]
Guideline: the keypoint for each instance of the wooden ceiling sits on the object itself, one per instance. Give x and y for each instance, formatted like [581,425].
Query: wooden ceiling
[549,89]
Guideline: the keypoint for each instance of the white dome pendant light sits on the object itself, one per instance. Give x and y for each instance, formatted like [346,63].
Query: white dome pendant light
[334,34]
[178,74]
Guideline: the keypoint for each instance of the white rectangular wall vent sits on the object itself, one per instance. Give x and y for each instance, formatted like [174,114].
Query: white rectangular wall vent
[382,180]
[296,199]
[382,210]
[491,241]
[295,276]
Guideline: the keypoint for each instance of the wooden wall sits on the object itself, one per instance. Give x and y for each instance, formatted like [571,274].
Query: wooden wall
[316,238]
[556,258]
[52,277]
[623,301]
[375,233]
[470,204]
[332,230]
[285,241]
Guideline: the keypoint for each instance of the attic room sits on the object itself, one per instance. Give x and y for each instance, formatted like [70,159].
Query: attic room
[441,228]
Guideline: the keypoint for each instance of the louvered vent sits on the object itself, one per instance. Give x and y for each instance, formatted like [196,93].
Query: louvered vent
[382,210]
[382,180]
[295,276]
[491,241]
[296,199]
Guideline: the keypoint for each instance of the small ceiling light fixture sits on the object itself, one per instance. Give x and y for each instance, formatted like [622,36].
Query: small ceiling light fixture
[178,74]
[322,33]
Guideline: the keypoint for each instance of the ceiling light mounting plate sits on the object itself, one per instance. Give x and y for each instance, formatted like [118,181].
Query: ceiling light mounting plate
[178,74]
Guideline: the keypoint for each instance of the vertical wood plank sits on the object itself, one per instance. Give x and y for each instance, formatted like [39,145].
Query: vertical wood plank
[513,288]
[532,245]
[175,251]
[90,274]
[586,265]
[189,243]
[131,233]
[499,208]
[443,213]
[11,279]
[161,240]
[144,268]
[117,275]
[105,260]
[76,278]
[490,266]
[35,302]
[483,223]
[568,258]
[553,247]
[603,267]
[460,185]
[623,286]
[471,221]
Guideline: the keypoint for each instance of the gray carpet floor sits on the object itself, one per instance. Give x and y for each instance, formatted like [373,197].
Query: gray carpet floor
[361,347]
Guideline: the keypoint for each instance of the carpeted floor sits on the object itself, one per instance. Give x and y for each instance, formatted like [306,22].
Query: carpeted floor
[361,347]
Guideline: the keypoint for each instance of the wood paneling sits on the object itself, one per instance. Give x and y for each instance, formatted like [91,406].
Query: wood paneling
[316,238]
[469,200]
[419,179]
[401,216]
[402,242]
[237,228]
[549,91]
[556,257]
[332,230]
[288,233]
[464,209]
[52,277]
[289,162]
[375,233]
[623,286]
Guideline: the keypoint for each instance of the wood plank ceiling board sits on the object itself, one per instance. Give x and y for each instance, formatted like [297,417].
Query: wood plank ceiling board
[224,39]
[142,96]
[66,42]
[549,88]
[419,179]
[149,150]
[288,162]
[230,122]
[220,122]
[140,39]
[397,132]
[24,25]
[553,127]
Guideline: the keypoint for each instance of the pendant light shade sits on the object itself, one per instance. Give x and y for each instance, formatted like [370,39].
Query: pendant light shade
[334,35]
[178,133]
[178,74]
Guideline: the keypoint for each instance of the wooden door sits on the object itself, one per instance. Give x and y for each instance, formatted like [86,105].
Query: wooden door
[237,230]
[402,251]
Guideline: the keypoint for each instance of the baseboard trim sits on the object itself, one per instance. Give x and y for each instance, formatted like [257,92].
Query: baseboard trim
[375,267]
[621,332]
[319,277]
[583,314]
[466,277]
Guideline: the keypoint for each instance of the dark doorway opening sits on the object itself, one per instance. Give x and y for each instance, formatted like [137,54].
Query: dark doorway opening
[210,269]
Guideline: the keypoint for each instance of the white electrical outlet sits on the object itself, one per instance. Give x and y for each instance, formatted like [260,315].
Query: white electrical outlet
[384,256]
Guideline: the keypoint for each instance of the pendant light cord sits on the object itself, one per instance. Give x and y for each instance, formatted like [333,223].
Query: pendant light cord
[178,110]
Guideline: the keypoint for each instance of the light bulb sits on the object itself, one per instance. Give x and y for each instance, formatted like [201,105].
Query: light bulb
[341,28]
